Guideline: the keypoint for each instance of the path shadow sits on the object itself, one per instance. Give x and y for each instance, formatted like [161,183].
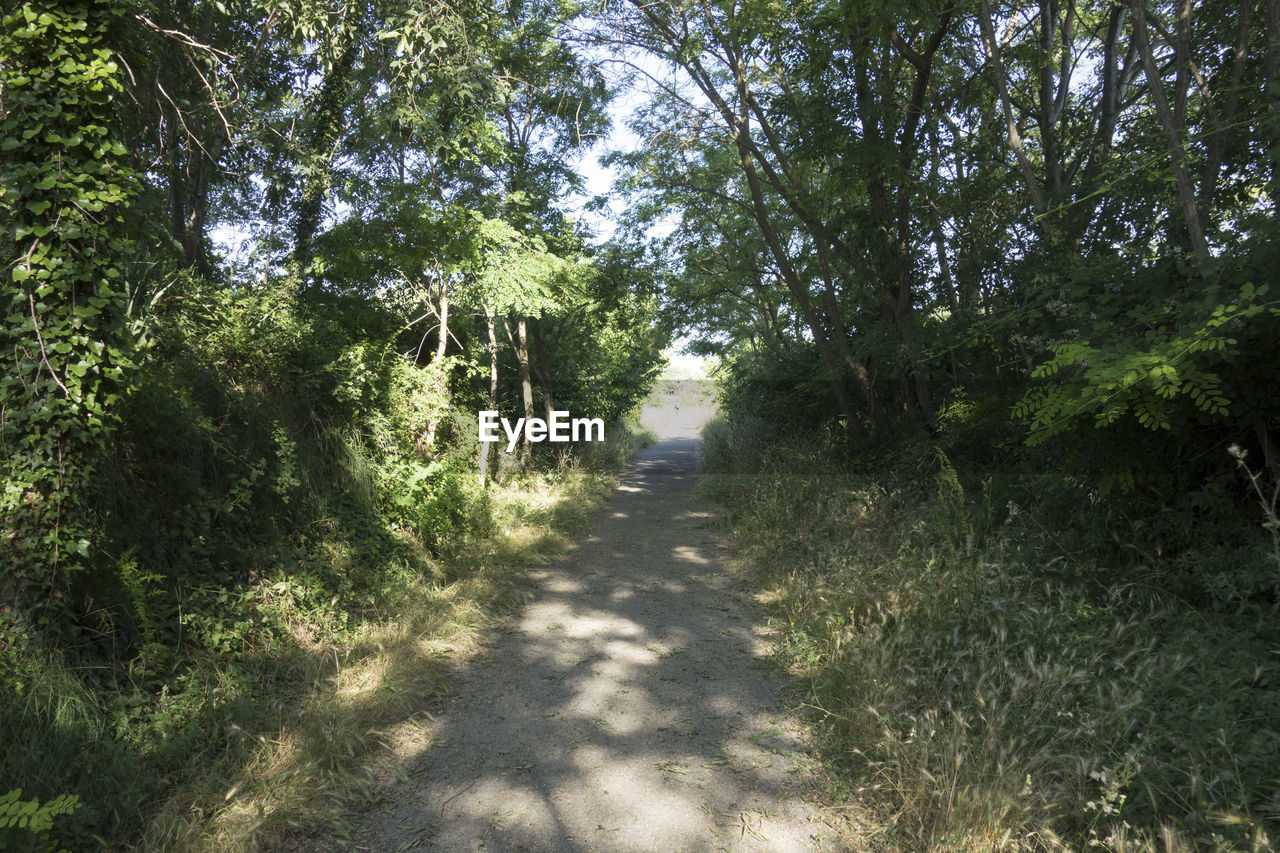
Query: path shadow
[626,708]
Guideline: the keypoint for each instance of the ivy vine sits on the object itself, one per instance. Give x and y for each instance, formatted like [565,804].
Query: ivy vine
[65,185]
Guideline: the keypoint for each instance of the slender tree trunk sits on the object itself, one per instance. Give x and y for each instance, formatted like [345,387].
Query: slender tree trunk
[1272,61]
[945,280]
[520,345]
[201,159]
[799,291]
[861,377]
[1227,115]
[801,294]
[542,364]
[487,446]
[1014,139]
[1114,81]
[193,247]
[1271,92]
[440,373]
[1270,453]
[904,319]
[1173,134]
[738,120]
[317,160]
[895,262]
[177,181]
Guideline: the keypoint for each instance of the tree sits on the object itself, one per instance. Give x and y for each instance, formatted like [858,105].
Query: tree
[67,339]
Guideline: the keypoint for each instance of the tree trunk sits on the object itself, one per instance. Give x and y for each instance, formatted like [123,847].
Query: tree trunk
[801,294]
[1014,139]
[487,446]
[177,183]
[1271,90]
[1173,134]
[1226,115]
[542,364]
[440,373]
[1270,454]
[799,291]
[317,159]
[520,345]
[194,253]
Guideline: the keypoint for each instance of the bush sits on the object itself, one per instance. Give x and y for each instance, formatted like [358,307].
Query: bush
[266,520]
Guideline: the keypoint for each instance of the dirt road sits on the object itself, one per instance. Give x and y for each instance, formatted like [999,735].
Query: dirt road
[626,708]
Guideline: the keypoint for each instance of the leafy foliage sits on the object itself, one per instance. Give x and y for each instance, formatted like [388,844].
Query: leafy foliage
[220,482]
[63,193]
[1145,376]
[31,817]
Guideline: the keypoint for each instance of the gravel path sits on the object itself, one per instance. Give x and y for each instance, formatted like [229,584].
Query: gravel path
[626,708]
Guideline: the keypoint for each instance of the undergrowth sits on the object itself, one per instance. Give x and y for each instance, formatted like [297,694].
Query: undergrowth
[283,580]
[981,681]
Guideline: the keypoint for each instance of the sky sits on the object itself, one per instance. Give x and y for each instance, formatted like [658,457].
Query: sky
[599,179]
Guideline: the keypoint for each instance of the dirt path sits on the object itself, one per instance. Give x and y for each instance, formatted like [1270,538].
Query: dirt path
[625,709]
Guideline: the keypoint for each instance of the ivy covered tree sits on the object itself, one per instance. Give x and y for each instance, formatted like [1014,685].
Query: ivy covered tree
[65,188]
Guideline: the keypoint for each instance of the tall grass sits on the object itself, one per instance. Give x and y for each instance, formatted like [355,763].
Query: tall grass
[290,734]
[979,688]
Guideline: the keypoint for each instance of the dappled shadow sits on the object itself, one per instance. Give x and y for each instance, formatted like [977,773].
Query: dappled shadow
[623,710]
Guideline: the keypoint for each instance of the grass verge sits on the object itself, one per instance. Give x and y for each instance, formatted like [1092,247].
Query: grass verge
[288,732]
[979,687]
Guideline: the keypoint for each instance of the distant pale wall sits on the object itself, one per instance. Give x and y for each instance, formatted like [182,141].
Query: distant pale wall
[679,408]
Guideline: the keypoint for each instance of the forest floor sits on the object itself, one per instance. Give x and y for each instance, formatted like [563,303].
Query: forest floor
[628,706]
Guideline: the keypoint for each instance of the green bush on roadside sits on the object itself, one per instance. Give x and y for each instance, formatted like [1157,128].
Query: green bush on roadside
[267,527]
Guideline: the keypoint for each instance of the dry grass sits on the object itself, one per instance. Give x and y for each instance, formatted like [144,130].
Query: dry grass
[968,702]
[321,745]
